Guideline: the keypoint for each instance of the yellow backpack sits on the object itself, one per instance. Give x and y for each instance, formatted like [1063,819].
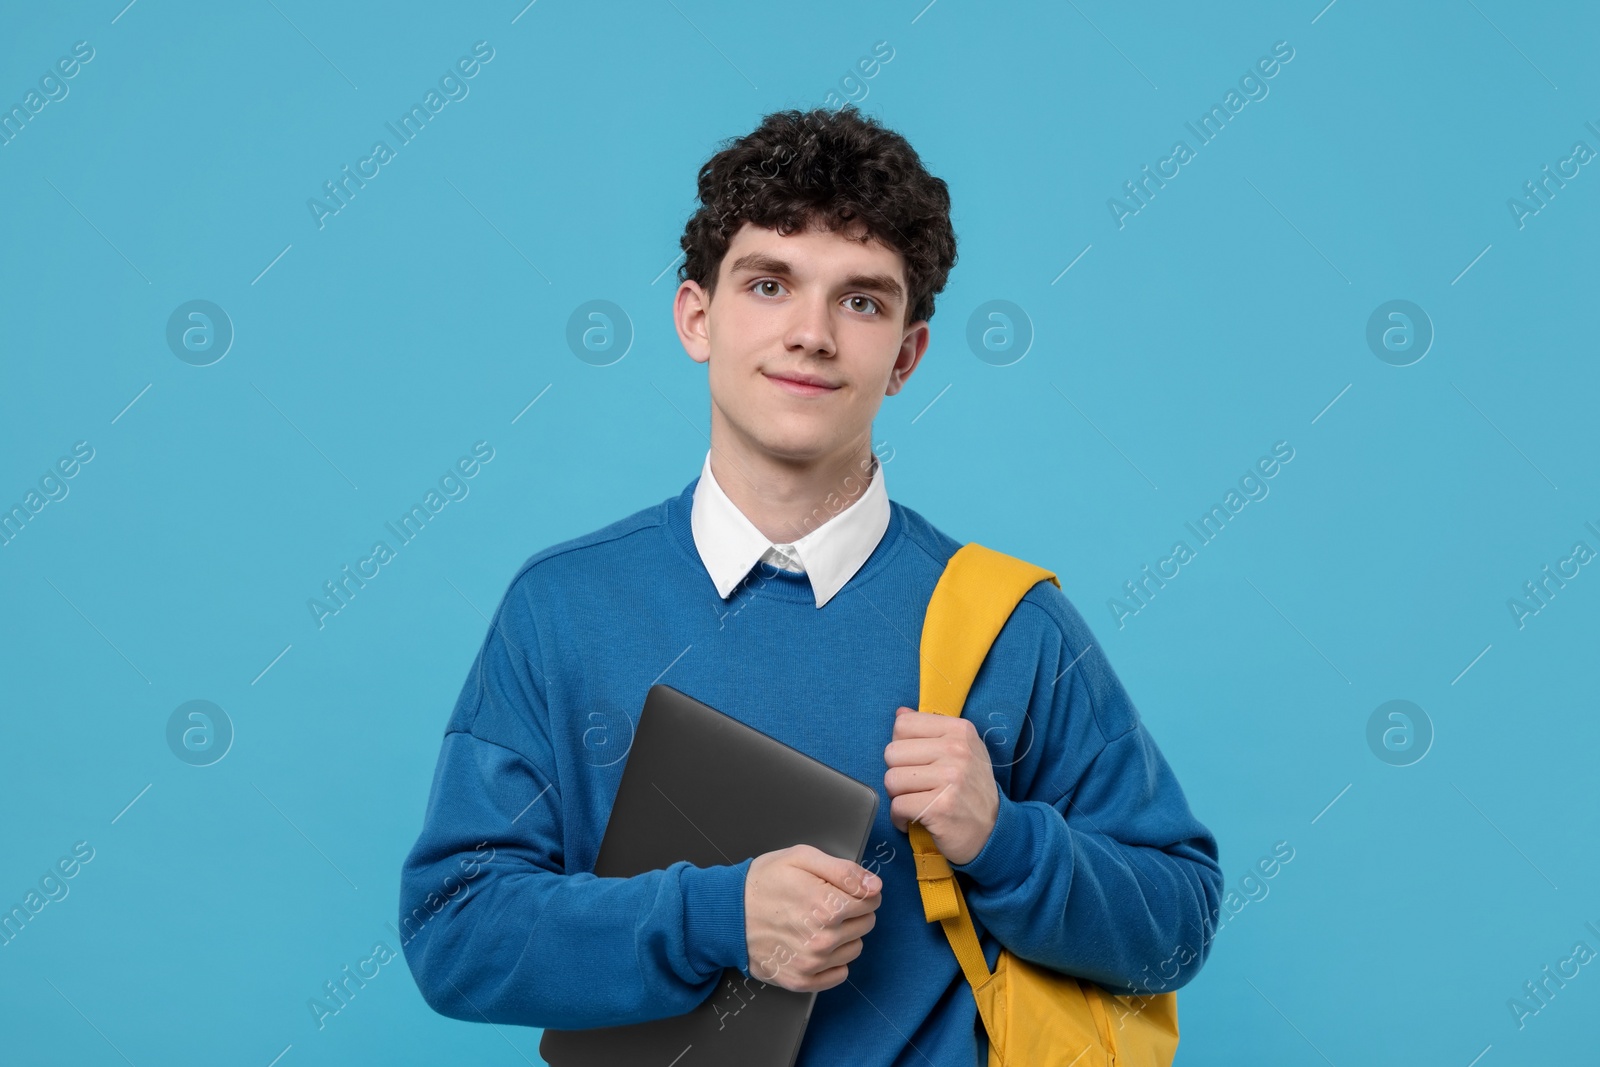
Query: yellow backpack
[1035,1017]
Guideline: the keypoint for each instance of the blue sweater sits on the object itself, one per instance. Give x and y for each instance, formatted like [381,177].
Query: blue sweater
[1095,867]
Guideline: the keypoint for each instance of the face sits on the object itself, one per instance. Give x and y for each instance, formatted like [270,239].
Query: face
[816,306]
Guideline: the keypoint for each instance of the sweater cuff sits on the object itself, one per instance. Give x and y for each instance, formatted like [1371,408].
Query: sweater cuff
[713,917]
[1010,854]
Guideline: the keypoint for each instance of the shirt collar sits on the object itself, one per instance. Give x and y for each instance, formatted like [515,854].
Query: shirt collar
[730,544]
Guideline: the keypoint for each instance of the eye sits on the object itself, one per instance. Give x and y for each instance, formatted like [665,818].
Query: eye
[758,286]
[870,309]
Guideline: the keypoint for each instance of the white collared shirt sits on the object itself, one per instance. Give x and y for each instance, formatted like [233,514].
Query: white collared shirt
[730,544]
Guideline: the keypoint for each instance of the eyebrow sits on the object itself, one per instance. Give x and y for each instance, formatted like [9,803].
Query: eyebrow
[762,263]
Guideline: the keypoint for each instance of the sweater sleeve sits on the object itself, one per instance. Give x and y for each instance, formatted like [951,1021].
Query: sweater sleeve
[493,926]
[1095,867]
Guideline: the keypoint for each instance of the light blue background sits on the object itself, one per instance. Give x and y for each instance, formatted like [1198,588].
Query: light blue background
[1221,319]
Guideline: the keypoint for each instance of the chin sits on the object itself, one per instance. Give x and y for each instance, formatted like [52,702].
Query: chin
[795,440]
[796,450]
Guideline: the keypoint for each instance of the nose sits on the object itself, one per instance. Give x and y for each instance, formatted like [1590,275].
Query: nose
[810,326]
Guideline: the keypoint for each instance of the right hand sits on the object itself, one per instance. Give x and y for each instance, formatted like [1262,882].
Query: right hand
[805,913]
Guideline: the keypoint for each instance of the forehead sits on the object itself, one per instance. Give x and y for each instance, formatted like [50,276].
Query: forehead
[816,251]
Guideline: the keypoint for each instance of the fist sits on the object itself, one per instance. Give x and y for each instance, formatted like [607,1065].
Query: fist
[805,914]
[940,776]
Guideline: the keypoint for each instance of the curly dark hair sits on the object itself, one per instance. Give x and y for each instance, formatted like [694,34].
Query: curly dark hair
[830,169]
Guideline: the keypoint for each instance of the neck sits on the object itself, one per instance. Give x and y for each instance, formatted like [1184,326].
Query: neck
[788,498]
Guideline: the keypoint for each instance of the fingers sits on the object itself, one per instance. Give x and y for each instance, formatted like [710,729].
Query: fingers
[853,929]
[831,904]
[821,948]
[917,751]
[821,964]
[843,954]
[929,724]
[825,980]
[841,906]
[847,877]
[923,778]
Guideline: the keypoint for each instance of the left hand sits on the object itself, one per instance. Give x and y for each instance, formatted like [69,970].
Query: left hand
[940,775]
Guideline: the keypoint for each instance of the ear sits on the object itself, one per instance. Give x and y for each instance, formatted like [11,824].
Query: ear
[691,314]
[912,346]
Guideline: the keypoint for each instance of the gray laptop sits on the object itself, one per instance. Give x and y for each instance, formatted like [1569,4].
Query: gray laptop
[704,787]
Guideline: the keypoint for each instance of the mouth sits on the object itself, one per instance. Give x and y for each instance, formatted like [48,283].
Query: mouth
[801,384]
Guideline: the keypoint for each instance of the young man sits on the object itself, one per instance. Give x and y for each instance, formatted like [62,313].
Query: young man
[784,587]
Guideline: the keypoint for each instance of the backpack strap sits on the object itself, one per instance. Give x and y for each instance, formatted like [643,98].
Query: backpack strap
[974,597]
